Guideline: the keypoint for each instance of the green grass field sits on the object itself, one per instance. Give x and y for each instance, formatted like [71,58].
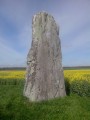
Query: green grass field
[13,106]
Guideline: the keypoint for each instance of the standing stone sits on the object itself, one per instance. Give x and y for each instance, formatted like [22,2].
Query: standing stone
[44,74]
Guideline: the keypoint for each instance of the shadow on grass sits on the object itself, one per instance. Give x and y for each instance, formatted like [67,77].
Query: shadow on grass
[67,86]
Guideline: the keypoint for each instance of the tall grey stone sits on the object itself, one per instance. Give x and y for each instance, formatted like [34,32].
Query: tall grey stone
[44,73]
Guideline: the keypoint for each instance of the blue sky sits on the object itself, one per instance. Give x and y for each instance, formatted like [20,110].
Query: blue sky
[72,16]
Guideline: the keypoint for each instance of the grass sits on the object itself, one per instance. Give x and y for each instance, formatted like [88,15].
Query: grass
[13,106]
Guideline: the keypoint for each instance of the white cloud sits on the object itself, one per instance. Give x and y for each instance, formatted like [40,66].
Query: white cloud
[16,11]
[10,57]
[73,15]
[25,37]
[82,41]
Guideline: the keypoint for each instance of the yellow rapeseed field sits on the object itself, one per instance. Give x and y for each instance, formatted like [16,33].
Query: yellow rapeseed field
[70,74]
[12,74]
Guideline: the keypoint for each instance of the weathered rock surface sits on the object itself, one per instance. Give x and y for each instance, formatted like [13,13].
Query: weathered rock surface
[44,74]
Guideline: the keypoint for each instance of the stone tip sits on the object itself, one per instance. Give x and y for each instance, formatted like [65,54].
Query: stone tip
[43,13]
